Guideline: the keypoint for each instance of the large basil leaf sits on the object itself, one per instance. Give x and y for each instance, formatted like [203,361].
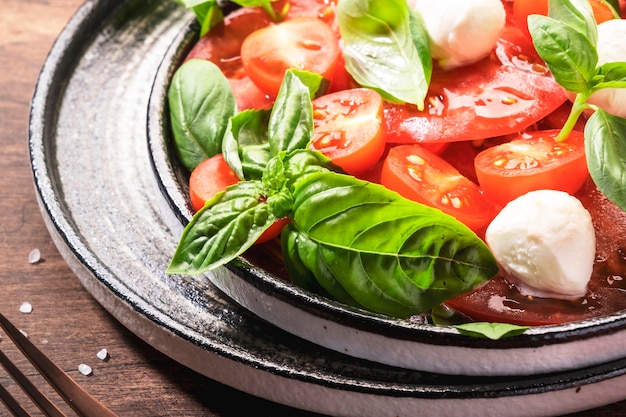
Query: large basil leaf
[569,54]
[223,229]
[605,147]
[389,254]
[321,281]
[386,48]
[201,103]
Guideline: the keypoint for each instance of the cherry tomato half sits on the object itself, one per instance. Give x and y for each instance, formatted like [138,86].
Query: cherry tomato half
[304,43]
[535,161]
[422,176]
[349,128]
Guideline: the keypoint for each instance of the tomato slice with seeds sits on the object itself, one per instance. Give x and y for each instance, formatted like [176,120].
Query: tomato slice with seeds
[349,128]
[535,161]
[422,176]
[304,43]
[501,94]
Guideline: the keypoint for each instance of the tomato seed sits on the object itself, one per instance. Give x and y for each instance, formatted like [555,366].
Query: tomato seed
[311,45]
[509,100]
[415,174]
[415,159]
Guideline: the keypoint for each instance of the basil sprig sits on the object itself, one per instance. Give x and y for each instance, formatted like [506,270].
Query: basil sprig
[386,48]
[566,40]
[360,242]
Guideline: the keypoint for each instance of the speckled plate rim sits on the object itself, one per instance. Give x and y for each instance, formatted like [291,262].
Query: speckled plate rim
[315,388]
[361,334]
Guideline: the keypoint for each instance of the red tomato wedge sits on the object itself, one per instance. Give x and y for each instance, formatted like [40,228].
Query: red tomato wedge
[501,94]
[305,43]
[535,161]
[422,176]
[349,128]
[210,177]
[222,46]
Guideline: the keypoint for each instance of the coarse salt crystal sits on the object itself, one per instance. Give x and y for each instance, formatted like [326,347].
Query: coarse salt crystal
[103,355]
[34,256]
[26,308]
[85,369]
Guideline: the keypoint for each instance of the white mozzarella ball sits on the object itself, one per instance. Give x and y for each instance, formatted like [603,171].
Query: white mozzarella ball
[545,241]
[461,31]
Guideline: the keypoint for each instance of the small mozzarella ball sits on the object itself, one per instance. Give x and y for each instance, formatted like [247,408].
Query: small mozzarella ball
[545,241]
[611,48]
[461,31]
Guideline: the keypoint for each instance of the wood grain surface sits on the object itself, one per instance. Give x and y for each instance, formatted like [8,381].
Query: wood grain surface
[66,323]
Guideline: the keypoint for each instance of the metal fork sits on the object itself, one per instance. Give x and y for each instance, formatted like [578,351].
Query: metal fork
[77,397]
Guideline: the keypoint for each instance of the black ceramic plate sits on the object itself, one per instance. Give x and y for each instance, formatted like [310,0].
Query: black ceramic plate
[105,210]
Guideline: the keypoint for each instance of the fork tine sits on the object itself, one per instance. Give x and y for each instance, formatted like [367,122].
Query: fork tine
[37,396]
[12,405]
[75,395]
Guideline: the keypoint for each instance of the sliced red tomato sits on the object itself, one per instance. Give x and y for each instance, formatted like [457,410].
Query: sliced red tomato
[501,94]
[305,43]
[210,177]
[349,128]
[535,161]
[422,176]
[222,46]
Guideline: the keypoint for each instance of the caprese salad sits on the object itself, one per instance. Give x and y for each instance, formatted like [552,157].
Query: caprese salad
[463,160]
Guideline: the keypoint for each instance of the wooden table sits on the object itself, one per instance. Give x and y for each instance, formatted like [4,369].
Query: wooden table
[66,322]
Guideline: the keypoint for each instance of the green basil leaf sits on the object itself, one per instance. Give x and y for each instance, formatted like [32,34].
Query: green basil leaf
[223,229]
[347,223]
[569,54]
[208,13]
[578,15]
[386,48]
[605,147]
[302,162]
[493,331]
[245,145]
[295,244]
[193,3]
[611,75]
[291,121]
[201,103]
